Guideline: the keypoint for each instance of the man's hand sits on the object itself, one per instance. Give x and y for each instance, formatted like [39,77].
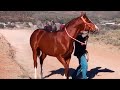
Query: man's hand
[83,43]
[87,59]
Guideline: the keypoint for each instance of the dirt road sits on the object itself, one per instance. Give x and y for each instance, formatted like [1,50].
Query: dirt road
[104,62]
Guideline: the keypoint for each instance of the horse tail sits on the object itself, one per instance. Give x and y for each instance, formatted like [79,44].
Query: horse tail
[35,51]
[38,52]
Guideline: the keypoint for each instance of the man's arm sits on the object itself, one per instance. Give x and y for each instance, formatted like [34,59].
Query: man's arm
[82,43]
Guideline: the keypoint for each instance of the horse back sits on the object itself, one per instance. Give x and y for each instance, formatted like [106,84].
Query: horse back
[51,43]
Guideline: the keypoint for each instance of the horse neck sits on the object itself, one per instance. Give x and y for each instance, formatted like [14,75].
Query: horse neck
[74,31]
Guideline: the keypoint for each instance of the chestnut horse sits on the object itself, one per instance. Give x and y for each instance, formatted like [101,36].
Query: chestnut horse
[59,44]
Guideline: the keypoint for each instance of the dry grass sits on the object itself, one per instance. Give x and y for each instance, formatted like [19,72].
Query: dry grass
[108,37]
[6,48]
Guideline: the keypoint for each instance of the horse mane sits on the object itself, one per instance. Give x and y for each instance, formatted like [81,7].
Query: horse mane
[70,22]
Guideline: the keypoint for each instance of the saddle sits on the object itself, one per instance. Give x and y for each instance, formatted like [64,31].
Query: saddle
[49,28]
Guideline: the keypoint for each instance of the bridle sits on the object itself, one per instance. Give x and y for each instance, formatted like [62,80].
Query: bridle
[86,23]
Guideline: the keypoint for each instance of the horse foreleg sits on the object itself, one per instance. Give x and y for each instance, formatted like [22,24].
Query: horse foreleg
[67,59]
[67,71]
[62,60]
[41,72]
[42,57]
[68,62]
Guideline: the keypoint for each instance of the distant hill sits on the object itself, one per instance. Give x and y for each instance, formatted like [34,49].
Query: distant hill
[33,16]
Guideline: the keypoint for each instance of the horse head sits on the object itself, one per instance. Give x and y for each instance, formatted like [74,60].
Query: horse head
[89,25]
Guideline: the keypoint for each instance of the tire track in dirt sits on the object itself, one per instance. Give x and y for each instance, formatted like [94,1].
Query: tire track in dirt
[19,42]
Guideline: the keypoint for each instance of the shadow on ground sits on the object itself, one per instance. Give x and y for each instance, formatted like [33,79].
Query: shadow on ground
[60,71]
[91,74]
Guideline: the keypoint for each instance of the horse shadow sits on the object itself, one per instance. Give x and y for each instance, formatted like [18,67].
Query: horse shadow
[91,74]
[60,71]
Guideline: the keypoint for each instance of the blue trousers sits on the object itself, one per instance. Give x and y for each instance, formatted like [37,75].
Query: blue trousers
[82,68]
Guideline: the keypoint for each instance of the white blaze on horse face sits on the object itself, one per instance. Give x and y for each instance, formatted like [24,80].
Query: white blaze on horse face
[35,73]
[96,27]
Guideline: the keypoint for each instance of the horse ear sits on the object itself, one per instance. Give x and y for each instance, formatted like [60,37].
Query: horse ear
[83,13]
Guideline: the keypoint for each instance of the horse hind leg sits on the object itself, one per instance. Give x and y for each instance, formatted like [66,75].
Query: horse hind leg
[35,63]
[42,57]
[36,53]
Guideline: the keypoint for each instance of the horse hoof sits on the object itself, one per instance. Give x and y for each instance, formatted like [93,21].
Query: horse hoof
[64,76]
[35,77]
[42,77]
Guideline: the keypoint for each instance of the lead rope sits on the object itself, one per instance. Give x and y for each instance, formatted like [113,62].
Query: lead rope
[71,36]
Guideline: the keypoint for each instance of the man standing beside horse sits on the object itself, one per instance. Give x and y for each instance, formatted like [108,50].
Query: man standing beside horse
[82,54]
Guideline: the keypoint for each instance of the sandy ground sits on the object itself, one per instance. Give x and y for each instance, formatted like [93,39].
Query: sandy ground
[104,61]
